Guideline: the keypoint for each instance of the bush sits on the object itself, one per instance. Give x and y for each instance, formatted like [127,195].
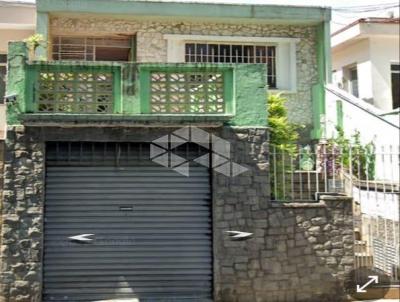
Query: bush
[283,134]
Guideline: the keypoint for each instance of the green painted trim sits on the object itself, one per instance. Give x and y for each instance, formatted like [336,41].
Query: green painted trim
[182,67]
[318,106]
[250,95]
[339,114]
[327,52]
[65,67]
[324,76]
[144,80]
[31,80]
[126,119]
[229,91]
[42,27]
[117,91]
[182,9]
[16,81]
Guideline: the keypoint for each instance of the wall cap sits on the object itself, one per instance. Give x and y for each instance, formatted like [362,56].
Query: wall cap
[335,198]
[320,204]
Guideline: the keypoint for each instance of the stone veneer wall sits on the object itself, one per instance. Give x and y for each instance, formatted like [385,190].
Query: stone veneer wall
[298,252]
[1,178]
[152,47]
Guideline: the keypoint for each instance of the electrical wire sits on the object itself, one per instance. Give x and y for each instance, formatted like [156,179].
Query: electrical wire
[365,9]
[366,6]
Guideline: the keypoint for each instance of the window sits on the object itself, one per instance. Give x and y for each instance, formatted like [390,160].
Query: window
[234,53]
[3,75]
[278,53]
[91,48]
[395,71]
[354,81]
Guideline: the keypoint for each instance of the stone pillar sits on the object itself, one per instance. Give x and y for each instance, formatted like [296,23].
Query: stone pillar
[16,80]
[1,180]
[21,213]
[239,204]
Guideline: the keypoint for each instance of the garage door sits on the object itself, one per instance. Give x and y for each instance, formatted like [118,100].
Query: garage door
[144,231]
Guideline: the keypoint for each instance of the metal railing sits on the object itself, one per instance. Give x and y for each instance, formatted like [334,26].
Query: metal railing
[370,175]
[299,172]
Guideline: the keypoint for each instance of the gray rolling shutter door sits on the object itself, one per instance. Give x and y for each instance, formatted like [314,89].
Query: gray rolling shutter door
[152,233]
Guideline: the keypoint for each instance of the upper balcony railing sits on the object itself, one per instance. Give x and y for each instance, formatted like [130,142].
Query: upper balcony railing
[107,89]
[73,90]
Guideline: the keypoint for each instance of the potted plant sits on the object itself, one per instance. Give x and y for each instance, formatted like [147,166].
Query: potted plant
[33,42]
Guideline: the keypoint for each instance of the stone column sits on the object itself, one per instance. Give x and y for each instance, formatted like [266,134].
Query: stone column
[21,213]
[239,204]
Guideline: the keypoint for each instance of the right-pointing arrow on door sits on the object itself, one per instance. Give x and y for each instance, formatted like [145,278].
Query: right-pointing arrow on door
[82,237]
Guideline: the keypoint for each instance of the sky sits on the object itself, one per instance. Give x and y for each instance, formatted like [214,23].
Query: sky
[343,11]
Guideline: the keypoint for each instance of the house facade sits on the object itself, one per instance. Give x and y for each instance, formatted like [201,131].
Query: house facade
[136,159]
[365,61]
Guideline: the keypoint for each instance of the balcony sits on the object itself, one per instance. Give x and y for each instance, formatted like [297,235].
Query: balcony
[82,92]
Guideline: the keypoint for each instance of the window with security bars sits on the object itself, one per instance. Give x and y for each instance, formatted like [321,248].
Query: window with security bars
[91,48]
[234,53]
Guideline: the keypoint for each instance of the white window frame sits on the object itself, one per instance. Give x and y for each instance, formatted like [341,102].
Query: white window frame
[286,67]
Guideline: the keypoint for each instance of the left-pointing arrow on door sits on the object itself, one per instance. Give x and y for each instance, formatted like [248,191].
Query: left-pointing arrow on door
[82,237]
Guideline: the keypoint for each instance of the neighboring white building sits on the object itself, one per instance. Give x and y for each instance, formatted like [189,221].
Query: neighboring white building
[17,22]
[365,94]
[366,63]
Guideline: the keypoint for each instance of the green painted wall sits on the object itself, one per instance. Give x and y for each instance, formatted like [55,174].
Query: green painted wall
[244,88]
[16,80]
[339,114]
[251,96]
[42,27]
[324,76]
[287,14]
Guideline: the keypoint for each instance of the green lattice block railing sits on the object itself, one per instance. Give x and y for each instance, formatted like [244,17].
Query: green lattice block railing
[66,92]
[130,88]
[186,90]
[73,89]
